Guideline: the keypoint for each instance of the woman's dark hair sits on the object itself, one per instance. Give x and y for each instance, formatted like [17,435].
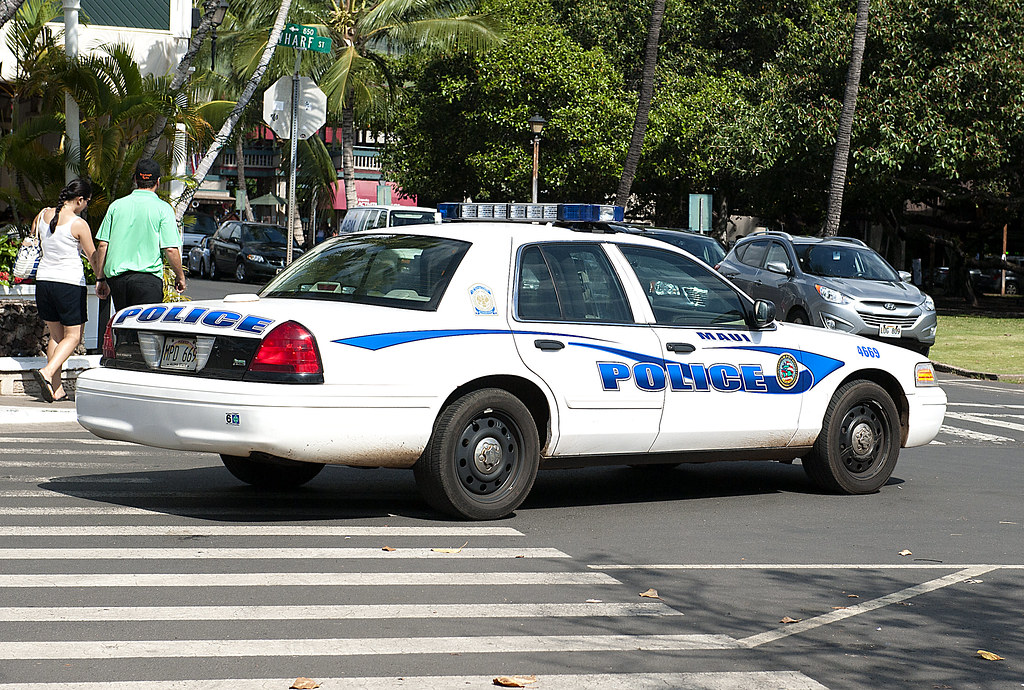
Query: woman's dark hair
[72,190]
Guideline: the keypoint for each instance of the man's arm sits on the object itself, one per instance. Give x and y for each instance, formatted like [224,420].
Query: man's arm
[174,259]
[99,258]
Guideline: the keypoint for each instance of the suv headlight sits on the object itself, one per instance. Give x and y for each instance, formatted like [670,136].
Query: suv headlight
[830,295]
[256,258]
[929,303]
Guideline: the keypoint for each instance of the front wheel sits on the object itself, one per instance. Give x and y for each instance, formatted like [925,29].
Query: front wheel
[214,273]
[856,451]
[240,275]
[798,316]
[272,473]
[482,458]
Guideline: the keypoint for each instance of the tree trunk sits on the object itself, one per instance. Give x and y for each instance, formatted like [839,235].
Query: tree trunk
[182,74]
[240,168]
[643,106]
[348,158]
[225,131]
[842,155]
[8,8]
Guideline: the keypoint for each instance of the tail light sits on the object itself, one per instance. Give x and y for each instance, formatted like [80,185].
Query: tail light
[288,349]
[108,339]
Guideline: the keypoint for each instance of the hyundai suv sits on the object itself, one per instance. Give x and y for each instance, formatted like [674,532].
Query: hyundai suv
[836,282]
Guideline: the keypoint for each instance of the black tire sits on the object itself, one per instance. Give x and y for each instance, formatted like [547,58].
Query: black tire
[201,273]
[482,458]
[214,273]
[272,473]
[859,443]
[798,315]
[240,275]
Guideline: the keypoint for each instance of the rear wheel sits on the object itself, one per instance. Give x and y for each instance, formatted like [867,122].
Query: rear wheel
[856,451]
[214,273]
[482,458]
[270,472]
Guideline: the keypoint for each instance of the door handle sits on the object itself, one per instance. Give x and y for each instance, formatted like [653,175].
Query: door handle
[548,345]
[682,348]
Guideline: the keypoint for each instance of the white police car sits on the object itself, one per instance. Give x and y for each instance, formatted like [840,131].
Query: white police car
[476,353]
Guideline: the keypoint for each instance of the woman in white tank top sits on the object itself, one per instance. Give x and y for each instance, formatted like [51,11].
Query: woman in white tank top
[60,281]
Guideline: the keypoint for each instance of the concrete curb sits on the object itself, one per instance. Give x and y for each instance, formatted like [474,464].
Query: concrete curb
[15,378]
[967,373]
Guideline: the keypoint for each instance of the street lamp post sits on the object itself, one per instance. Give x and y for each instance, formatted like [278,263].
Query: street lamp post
[219,10]
[536,125]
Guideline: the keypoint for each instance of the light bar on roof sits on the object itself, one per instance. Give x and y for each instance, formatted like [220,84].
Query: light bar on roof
[544,213]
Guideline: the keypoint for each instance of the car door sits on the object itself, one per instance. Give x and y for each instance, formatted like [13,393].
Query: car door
[745,271]
[573,326]
[726,385]
[221,246]
[773,282]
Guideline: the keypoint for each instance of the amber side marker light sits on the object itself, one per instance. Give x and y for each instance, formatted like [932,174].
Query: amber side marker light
[925,374]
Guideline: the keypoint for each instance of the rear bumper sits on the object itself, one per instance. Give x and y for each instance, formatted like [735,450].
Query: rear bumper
[308,423]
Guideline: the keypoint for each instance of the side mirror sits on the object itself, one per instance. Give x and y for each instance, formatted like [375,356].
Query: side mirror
[906,276]
[778,267]
[764,313]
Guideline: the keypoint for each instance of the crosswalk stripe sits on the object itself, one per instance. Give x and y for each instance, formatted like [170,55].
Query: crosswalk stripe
[70,465]
[305,511]
[972,435]
[58,452]
[720,680]
[66,440]
[708,680]
[51,614]
[261,496]
[977,419]
[440,551]
[984,405]
[76,480]
[322,579]
[255,531]
[359,646]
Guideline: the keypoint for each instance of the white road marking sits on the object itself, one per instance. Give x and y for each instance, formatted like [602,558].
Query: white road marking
[19,614]
[103,494]
[37,415]
[138,451]
[254,531]
[205,510]
[833,616]
[973,435]
[69,465]
[803,566]
[87,441]
[76,480]
[721,680]
[276,554]
[984,405]
[359,646]
[385,579]
[978,419]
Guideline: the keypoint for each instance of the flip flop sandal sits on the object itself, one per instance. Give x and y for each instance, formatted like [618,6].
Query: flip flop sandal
[44,386]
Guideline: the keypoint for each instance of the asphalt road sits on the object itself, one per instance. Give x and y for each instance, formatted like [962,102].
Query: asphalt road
[157,569]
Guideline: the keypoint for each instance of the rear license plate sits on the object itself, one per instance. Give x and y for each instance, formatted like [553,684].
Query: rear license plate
[179,354]
[886,330]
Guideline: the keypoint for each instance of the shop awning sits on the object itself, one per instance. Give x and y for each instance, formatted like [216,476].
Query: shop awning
[267,200]
[366,194]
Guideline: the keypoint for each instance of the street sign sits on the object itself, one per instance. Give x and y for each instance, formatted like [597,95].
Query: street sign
[311,108]
[302,37]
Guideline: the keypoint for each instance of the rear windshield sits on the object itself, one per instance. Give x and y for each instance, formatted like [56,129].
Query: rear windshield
[411,217]
[839,261]
[408,271]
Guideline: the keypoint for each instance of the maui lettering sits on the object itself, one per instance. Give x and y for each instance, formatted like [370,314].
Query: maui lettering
[215,318]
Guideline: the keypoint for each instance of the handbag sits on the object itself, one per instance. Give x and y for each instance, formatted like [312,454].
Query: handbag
[27,262]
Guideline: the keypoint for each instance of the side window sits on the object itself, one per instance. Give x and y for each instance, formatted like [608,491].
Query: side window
[363,220]
[681,292]
[753,255]
[236,233]
[378,219]
[569,282]
[778,254]
[224,231]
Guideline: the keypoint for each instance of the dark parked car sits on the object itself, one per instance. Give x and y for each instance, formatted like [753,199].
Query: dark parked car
[706,248]
[195,228]
[248,251]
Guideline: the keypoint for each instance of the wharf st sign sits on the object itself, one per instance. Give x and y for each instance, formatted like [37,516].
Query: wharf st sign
[301,37]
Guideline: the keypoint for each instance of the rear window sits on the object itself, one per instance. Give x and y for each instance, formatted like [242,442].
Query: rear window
[399,217]
[407,271]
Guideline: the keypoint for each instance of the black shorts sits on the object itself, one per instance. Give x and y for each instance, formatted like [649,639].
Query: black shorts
[131,288]
[61,302]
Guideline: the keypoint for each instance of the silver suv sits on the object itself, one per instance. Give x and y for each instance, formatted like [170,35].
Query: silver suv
[839,283]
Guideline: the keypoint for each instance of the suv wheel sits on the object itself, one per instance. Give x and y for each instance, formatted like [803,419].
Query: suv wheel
[799,316]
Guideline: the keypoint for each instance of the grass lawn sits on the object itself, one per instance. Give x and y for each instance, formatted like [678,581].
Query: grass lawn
[980,343]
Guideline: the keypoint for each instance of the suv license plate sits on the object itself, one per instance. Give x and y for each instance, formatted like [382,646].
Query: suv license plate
[179,354]
[890,331]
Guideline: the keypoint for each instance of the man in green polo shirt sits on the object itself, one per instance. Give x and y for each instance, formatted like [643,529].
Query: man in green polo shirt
[136,229]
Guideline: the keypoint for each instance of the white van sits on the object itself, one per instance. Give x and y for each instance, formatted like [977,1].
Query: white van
[363,217]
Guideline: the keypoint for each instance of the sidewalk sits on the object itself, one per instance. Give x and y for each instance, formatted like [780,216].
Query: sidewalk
[31,409]
[23,405]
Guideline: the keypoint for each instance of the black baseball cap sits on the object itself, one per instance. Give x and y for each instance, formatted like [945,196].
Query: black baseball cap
[147,171]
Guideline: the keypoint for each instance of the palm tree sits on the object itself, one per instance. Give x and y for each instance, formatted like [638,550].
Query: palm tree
[224,134]
[643,106]
[842,155]
[366,34]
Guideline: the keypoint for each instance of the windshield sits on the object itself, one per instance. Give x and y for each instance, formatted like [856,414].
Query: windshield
[411,217]
[840,261]
[704,248]
[259,233]
[406,271]
[201,224]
